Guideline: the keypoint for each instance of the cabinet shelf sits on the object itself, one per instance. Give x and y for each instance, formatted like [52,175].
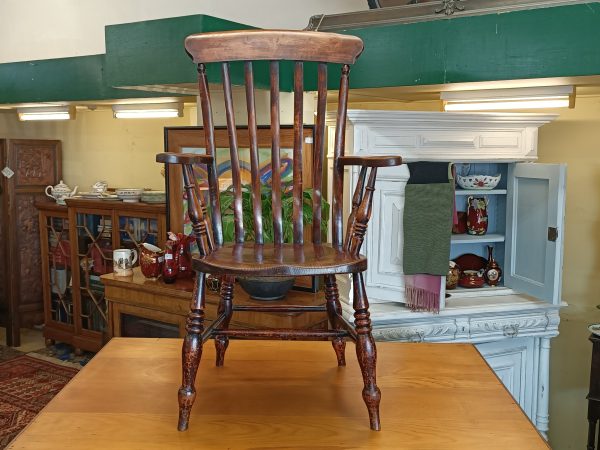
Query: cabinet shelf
[471,239]
[480,192]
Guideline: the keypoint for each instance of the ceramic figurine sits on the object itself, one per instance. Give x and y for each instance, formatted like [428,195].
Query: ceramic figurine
[477,216]
[452,276]
[99,187]
[60,192]
[493,272]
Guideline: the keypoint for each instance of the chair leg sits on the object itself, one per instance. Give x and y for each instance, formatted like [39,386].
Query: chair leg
[191,353]
[225,305]
[333,306]
[366,351]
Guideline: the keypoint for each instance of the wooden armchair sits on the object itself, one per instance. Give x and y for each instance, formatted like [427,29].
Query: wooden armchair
[278,259]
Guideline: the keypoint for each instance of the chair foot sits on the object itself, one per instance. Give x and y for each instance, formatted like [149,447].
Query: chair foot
[221,344]
[225,307]
[186,399]
[339,345]
[190,358]
[366,351]
[367,359]
[333,309]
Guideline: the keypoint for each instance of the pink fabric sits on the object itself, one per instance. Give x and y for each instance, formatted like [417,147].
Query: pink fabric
[423,292]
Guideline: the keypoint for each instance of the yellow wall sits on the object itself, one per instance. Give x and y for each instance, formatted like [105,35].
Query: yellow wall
[574,139]
[98,147]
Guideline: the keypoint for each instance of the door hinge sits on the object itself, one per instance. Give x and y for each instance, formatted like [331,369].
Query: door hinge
[552,234]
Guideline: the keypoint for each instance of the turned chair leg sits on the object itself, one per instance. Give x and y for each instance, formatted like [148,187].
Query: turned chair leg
[191,353]
[333,306]
[225,306]
[366,351]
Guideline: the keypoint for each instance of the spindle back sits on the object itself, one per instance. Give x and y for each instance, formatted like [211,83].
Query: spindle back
[275,47]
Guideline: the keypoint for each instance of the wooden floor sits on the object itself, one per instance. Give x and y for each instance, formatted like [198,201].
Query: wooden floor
[282,395]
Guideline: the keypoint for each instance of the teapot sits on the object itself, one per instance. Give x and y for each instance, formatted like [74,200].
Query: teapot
[60,192]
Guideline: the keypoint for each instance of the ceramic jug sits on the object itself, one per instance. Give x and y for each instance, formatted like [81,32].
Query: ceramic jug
[60,192]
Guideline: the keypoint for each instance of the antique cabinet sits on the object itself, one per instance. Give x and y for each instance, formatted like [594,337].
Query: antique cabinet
[512,323]
[142,307]
[27,166]
[77,244]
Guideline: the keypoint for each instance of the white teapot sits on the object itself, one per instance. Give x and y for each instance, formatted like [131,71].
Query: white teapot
[60,192]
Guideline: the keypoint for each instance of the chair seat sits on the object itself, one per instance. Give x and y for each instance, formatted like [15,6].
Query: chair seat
[279,260]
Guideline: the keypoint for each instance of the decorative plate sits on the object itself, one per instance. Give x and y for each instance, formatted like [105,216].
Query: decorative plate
[470,261]
[89,195]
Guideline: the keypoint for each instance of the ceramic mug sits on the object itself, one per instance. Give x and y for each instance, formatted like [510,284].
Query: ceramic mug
[152,259]
[123,261]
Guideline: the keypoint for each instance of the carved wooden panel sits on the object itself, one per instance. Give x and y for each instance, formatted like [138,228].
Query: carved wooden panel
[3,289]
[35,164]
[31,298]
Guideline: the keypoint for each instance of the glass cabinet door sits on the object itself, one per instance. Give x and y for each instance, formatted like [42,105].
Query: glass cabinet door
[60,270]
[94,253]
[134,231]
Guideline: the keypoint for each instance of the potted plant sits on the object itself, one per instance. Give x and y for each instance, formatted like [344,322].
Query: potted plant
[268,288]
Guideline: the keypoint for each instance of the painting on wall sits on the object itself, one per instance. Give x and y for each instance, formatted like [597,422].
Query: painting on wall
[191,140]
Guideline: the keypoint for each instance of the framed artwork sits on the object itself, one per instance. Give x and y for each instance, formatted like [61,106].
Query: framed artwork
[191,140]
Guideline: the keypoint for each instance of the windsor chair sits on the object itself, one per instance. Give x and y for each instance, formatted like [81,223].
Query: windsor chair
[278,259]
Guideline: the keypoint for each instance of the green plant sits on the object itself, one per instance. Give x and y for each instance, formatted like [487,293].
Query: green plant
[227,197]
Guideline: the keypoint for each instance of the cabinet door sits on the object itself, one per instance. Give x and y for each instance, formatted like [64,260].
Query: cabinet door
[384,241]
[534,227]
[512,361]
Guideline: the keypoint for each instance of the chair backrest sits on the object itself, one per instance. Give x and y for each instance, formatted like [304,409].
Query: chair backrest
[274,47]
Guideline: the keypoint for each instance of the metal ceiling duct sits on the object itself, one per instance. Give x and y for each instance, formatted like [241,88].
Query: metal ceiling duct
[389,12]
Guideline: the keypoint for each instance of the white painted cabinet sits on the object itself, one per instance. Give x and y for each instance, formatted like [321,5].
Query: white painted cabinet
[511,324]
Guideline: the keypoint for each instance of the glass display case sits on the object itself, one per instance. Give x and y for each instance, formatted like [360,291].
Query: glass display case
[77,245]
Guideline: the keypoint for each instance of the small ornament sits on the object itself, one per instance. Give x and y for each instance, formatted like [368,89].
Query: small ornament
[493,272]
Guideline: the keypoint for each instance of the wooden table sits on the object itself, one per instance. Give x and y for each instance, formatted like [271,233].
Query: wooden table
[164,307]
[282,394]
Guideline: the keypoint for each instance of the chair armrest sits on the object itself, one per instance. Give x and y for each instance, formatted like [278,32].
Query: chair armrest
[183,158]
[370,161]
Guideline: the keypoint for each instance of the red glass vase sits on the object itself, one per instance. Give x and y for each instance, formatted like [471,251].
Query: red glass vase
[171,265]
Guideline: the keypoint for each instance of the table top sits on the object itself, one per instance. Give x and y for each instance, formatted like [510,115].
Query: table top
[282,394]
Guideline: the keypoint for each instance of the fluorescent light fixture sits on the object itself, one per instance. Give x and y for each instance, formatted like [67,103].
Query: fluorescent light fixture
[46,113]
[513,98]
[148,111]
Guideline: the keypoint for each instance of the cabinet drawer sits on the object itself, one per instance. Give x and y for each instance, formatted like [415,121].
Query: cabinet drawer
[444,144]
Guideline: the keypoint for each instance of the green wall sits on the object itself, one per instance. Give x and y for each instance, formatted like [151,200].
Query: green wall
[541,43]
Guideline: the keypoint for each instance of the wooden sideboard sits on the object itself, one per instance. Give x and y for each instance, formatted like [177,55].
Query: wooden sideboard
[142,307]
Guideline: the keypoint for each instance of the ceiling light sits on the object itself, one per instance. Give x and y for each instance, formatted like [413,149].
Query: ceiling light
[513,98]
[46,113]
[148,111]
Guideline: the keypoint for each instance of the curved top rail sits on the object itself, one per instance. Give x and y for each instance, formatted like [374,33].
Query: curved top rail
[292,45]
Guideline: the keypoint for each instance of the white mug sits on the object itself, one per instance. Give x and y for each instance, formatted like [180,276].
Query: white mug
[123,261]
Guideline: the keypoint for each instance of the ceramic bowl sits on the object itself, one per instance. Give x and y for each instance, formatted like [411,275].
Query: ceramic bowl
[478,181]
[129,192]
[471,279]
[154,197]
